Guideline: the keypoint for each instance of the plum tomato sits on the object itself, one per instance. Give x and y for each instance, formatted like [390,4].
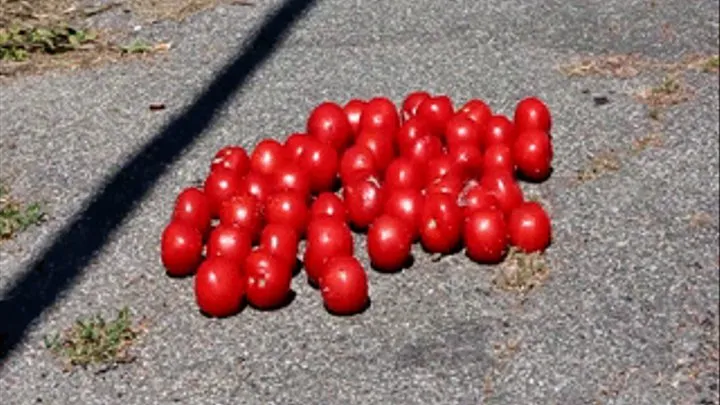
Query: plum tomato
[320,161]
[469,160]
[531,113]
[412,102]
[389,242]
[267,280]
[256,185]
[353,110]
[219,287]
[232,157]
[327,237]
[328,204]
[357,163]
[288,208]
[452,184]
[485,236]
[533,153]
[220,185]
[267,156]
[281,241]
[438,167]
[498,157]
[437,111]
[423,149]
[476,198]
[499,129]
[181,247]
[461,130]
[413,129]
[503,186]
[380,145]
[380,115]
[529,227]
[329,124]
[478,111]
[404,173]
[364,200]
[230,242]
[344,286]
[440,224]
[295,146]
[292,177]
[244,212]
[406,204]
[193,206]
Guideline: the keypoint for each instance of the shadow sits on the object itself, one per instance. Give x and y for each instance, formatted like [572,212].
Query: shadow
[69,252]
[297,268]
[408,263]
[289,298]
[238,311]
[525,179]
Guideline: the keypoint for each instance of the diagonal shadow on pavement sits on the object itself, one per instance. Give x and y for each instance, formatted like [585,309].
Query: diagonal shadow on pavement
[67,255]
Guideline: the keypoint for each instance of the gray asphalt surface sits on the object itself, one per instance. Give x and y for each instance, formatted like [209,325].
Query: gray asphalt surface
[628,316]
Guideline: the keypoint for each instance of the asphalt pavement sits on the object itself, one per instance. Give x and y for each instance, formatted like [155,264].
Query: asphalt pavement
[629,314]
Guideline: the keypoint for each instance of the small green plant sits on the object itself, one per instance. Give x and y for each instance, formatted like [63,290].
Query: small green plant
[712,64]
[17,44]
[136,46]
[95,341]
[14,217]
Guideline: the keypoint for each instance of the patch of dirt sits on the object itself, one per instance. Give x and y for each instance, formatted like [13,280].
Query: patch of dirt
[599,165]
[521,272]
[176,10]
[625,66]
[653,140]
[671,91]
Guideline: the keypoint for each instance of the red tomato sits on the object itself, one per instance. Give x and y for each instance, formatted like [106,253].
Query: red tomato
[404,173]
[344,286]
[267,156]
[193,206]
[532,154]
[438,167]
[406,204]
[256,185]
[220,185]
[476,198]
[288,208]
[364,201]
[327,237]
[328,204]
[244,212]
[413,129]
[329,124]
[267,280]
[357,163]
[381,145]
[380,115]
[389,242]
[423,149]
[461,130]
[219,287]
[280,241]
[181,248]
[440,224]
[499,129]
[485,236]
[478,111]
[530,114]
[503,186]
[320,161]
[293,178]
[231,243]
[353,110]
[437,111]
[529,227]
[295,146]
[412,102]
[234,158]
[498,157]
[469,160]
[452,184]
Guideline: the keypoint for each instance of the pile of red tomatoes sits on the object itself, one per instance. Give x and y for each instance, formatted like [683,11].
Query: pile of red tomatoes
[427,172]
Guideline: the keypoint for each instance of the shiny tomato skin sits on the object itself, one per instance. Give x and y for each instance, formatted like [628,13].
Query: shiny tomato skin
[292,177]
[243,211]
[406,204]
[476,198]
[452,184]
[344,286]
[328,204]
[232,157]
[469,160]
[438,167]
[327,237]
[423,149]
[320,161]
[478,111]
[389,242]
[357,163]
[411,103]
[219,287]
[499,157]
[256,185]
[380,115]
[505,188]
[531,113]
[380,145]
[461,130]
[267,156]
[220,185]
[529,227]
[288,208]
[353,110]
[499,130]
[441,224]
[364,200]
[413,129]
[231,243]
[533,154]
[181,248]
[329,124]
[295,146]
[281,241]
[404,173]
[485,236]
[437,111]
[267,280]
[193,206]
